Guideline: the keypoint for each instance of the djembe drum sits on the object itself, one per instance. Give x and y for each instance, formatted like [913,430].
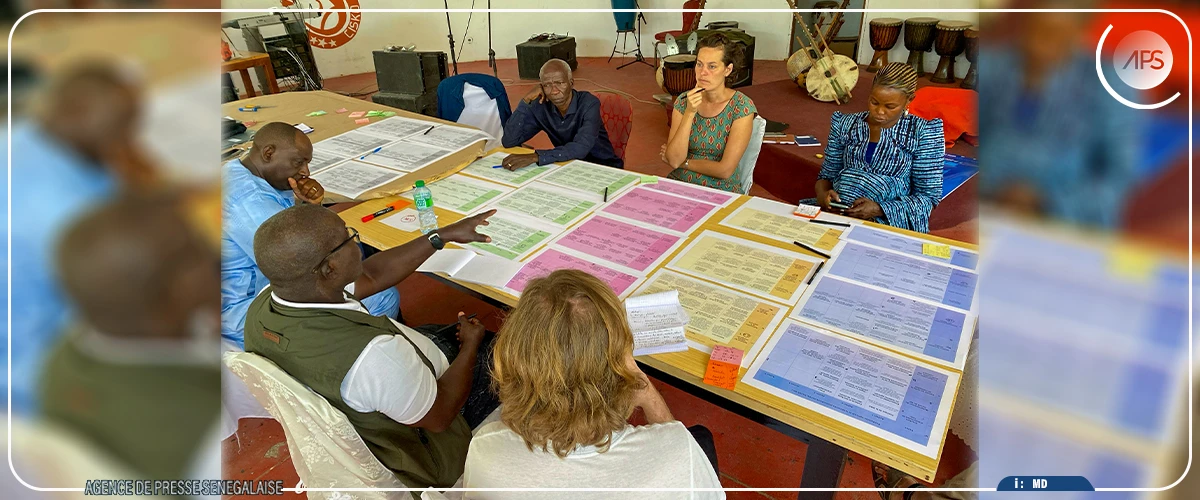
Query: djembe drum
[972,37]
[949,44]
[884,33]
[918,39]
[677,74]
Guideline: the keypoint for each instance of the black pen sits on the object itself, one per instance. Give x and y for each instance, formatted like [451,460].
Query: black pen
[813,250]
[430,130]
[452,326]
[829,222]
[817,270]
[606,195]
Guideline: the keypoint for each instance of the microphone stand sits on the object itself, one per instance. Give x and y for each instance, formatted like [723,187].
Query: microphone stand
[491,52]
[638,22]
[450,35]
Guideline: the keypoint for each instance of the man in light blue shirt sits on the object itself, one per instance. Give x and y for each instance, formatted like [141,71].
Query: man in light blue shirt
[271,177]
[65,160]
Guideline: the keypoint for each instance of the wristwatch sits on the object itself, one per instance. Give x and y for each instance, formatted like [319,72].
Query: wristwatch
[436,241]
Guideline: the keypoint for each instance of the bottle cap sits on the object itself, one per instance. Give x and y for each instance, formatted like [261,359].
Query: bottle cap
[420,184]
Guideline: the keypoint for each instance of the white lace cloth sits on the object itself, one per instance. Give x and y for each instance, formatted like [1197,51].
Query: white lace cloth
[326,450]
[964,422]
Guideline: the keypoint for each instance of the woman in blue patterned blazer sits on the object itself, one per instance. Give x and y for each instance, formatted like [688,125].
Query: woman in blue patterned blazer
[885,163]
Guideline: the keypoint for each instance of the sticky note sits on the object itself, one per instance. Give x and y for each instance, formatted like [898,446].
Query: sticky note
[362,121]
[357,114]
[388,113]
[1132,263]
[936,250]
[317,113]
[723,367]
[343,110]
[374,113]
[649,179]
[249,123]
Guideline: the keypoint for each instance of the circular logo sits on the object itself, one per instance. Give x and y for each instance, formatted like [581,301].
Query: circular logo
[1143,60]
[329,30]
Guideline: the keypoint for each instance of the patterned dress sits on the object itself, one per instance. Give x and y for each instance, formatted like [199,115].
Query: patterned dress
[707,139]
[904,175]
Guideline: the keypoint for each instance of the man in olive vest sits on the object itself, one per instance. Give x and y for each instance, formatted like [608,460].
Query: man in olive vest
[401,392]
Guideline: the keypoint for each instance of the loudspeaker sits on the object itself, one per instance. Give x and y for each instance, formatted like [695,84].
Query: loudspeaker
[532,54]
[424,103]
[409,72]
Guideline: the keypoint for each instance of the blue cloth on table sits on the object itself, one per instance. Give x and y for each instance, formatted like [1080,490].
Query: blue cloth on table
[51,186]
[247,202]
[579,135]
[450,95]
[905,174]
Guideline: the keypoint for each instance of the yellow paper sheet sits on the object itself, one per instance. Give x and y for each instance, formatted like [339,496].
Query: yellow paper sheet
[785,228]
[719,316]
[753,268]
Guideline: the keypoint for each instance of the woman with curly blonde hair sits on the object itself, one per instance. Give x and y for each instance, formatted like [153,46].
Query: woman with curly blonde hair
[564,370]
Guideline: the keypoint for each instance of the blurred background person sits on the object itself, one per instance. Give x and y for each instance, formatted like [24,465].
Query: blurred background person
[134,377]
[1058,145]
[76,149]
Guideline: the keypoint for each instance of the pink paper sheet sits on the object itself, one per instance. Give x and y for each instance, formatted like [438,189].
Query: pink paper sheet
[691,192]
[620,243]
[659,209]
[553,260]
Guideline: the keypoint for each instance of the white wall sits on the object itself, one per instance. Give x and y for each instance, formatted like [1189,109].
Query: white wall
[593,32]
[898,52]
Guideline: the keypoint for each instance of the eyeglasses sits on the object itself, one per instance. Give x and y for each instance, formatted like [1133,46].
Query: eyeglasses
[353,237]
[556,84]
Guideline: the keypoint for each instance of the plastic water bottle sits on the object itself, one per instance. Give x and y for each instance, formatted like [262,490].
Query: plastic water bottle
[424,200]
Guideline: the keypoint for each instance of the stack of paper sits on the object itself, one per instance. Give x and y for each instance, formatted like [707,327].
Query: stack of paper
[465,265]
[658,322]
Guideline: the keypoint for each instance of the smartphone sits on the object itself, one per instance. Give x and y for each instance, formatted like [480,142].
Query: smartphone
[839,205]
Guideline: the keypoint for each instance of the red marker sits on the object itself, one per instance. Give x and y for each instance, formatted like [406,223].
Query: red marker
[395,205]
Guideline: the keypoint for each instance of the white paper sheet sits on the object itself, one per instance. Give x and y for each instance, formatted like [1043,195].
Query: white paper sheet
[353,178]
[894,397]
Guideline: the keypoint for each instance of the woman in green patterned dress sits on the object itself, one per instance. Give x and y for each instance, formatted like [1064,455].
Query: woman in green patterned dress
[710,126]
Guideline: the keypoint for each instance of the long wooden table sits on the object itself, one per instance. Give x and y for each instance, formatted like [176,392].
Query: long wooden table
[827,438]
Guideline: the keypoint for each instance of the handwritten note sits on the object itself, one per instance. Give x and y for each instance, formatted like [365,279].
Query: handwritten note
[723,367]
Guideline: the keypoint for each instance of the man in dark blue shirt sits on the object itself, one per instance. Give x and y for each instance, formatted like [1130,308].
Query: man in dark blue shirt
[570,118]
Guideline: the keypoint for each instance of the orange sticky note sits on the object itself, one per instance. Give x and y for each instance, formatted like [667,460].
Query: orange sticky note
[723,366]
[362,121]
[357,114]
[343,110]
[249,123]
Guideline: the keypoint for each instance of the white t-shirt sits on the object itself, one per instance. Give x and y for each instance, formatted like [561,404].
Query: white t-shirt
[388,375]
[650,456]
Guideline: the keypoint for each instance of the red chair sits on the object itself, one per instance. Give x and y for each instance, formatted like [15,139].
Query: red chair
[688,19]
[617,114]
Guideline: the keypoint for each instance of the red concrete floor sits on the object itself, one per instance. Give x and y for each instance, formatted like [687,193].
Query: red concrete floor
[750,455]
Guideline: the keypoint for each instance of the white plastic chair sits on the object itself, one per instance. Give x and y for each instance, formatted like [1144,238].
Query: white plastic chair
[479,110]
[326,450]
[750,156]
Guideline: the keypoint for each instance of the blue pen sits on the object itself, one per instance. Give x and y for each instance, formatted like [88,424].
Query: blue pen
[371,153]
[497,166]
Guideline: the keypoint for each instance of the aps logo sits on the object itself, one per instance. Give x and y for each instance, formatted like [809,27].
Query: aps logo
[330,30]
[1142,60]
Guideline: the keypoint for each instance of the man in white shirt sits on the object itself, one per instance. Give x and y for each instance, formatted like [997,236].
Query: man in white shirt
[401,392]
